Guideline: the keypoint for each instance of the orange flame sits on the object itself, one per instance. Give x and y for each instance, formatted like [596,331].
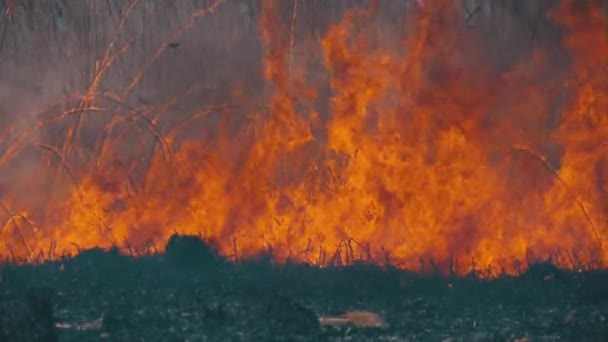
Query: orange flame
[427,152]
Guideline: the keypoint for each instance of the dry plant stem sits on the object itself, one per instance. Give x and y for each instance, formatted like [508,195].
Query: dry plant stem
[307,250]
[134,115]
[78,249]
[193,116]
[10,9]
[365,249]
[100,69]
[475,10]
[292,39]
[72,111]
[38,113]
[170,37]
[11,218]
[12,253]
[57,154]
[576,199]
[18,144]
[52,250]
[131,115]
[128,246]
[236,250]
[105,132]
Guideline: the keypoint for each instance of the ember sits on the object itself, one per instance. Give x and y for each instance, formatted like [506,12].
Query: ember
[431,143]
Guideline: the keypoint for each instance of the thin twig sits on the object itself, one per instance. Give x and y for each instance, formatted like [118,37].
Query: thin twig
[100,69]
[78,249]
[11,218]
[477,8]
[292,39]
[169,38]
[63,163]
[547,165]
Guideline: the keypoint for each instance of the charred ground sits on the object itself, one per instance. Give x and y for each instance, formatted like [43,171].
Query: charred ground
[191,294]
[272,123]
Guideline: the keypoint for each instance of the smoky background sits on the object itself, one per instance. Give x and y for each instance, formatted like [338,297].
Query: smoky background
[191,66]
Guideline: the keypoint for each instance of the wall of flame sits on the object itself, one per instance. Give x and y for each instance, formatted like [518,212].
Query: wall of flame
[427,144]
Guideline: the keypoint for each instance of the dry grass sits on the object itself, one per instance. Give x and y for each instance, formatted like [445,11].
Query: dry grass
[76,77]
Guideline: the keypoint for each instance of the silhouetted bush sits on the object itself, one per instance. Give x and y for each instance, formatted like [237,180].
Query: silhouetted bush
[191,251]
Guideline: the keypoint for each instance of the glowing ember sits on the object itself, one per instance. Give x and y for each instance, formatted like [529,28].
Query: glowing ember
[425,151]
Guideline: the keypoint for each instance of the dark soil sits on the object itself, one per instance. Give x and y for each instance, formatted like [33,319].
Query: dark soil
[171,298]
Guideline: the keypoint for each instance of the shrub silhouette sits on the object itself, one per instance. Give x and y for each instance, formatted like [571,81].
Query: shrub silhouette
[191,251]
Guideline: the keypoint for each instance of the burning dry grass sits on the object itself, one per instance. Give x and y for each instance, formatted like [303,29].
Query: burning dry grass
[391,133]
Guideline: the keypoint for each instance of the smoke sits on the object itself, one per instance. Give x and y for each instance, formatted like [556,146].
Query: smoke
[453,95]
[50,50]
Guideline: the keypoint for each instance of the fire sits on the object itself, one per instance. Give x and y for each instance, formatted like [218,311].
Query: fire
[425,151]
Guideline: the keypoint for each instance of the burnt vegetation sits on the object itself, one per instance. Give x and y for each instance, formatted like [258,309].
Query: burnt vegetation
[92,114]
[104,296]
